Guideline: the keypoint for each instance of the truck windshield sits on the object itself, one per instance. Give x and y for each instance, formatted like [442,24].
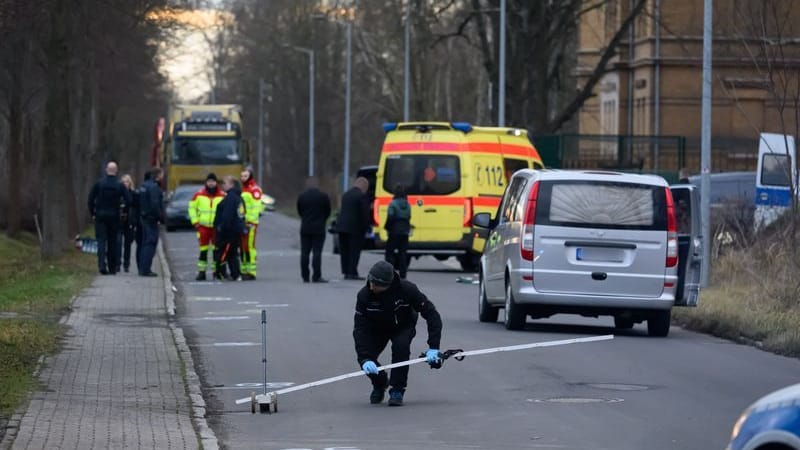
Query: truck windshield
[206,151]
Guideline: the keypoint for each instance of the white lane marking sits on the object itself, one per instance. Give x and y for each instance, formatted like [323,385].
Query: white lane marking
[247,303]
[205,283]
[221,318]
[272,385]
[227,344]
[210,299]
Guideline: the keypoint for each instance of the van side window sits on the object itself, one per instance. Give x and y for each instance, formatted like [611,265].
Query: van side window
[775,170]
[511,165]
[510,209]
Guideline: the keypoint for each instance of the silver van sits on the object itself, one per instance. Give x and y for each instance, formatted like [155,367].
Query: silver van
[591,243]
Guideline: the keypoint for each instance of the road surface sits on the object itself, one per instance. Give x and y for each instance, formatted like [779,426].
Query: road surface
[634,392]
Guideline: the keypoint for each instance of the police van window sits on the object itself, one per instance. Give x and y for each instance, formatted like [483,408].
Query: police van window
[775,170]
[509,210]
[511,165]
[423,174]
[683,212]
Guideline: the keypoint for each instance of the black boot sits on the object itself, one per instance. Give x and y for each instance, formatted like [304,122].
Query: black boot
[377,395]
[201,276]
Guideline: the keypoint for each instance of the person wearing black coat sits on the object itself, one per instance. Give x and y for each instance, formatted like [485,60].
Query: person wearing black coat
[352,224]
[314,208]
[151,213]
[129,225]
[229,226]
[107,199]
[387,309]
[398,226]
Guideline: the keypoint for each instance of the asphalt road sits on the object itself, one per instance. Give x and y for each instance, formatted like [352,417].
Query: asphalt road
[634,392]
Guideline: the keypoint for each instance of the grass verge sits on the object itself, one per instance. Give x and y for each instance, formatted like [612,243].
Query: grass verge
[753,299]
[33,297]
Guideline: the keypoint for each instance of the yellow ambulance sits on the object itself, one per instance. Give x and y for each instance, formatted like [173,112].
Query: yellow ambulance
[450,172]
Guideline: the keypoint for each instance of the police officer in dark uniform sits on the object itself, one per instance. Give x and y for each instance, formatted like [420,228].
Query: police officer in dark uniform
[107,199]
[387,309]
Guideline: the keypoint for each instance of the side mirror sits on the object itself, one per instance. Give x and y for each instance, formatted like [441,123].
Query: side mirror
[482,220]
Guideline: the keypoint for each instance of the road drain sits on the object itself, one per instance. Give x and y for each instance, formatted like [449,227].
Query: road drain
[575,400]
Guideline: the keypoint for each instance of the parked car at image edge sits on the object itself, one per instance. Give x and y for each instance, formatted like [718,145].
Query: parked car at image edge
[771,423]
[591,243]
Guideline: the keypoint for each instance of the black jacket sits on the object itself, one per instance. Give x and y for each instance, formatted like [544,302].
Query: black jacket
[151,202]
[314,208]
[108,198]
[390,311]
[229,218]
[398,218]
[354,213]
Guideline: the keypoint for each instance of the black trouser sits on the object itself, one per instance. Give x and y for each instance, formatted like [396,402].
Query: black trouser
[127,235]
[350,251]
[401,351]
[149,244]
[106,231]
[311,243]
[398,243]
[137,235]
[226,254]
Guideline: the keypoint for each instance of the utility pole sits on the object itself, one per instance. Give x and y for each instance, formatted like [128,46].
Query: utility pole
[501,84]
[705,144]
[261,159]
[347,95]
[407,62]
[311,116]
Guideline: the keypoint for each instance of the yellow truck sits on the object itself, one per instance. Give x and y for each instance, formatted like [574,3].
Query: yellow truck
[200,139]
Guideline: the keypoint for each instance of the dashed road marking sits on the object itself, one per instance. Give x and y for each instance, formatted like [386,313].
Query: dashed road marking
[221,318]
[227,344]
[271,385]
[210,299]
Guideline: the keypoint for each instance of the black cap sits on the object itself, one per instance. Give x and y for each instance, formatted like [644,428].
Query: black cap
[211,176]
[381,274]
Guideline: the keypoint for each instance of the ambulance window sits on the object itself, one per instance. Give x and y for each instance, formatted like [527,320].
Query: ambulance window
[775,170]
[512,165]
[537,165]
[423,174]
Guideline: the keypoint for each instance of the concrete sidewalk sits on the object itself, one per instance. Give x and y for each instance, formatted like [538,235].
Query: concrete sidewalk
[118,381]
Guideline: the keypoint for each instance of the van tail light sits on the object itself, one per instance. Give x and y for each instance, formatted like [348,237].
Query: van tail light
[467,212]
[672,232]
[375,207]
[526,238]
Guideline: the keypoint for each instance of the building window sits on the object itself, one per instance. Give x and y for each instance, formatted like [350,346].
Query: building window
[611,17]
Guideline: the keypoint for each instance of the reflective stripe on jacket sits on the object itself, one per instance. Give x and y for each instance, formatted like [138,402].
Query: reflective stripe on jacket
[203,207]
[251,194]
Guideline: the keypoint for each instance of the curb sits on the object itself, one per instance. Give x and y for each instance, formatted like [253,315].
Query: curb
[208,438]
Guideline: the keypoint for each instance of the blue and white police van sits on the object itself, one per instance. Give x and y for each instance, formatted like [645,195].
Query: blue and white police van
[771,423]
[776,171]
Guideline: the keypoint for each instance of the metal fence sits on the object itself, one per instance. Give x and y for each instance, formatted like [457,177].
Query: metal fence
[664,155]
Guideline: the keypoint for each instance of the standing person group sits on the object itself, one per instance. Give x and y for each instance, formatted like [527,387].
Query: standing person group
[122,215]
[353,223]
[314,208]
[229,227]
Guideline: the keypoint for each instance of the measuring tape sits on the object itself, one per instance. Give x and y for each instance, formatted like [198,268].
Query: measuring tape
[271,397]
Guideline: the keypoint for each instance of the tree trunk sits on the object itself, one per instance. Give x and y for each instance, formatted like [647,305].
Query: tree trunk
[15,148]
[55,162]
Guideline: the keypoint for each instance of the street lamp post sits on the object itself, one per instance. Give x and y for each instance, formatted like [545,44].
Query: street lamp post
[501,84]
[347,95]
[261,89]
[705,144]
[311,102]
[407,62]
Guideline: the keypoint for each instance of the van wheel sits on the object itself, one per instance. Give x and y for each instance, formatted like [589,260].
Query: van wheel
[470,262]
[658,323]
[623,323]
[515,317]
[486,312]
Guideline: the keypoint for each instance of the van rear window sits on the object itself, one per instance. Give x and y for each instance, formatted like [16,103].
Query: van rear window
[602,204]
[423,174]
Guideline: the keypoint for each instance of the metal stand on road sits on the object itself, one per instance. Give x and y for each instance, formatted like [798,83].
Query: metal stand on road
[265,400]
[268,399]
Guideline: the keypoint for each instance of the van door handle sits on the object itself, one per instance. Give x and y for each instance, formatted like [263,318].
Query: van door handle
[599,276]
[430,210]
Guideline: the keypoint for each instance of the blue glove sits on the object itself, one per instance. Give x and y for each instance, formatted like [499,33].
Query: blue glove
[432,356]
[369,368]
